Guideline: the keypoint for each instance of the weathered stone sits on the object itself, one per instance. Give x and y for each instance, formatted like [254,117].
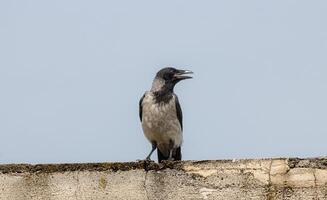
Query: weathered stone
[270,179]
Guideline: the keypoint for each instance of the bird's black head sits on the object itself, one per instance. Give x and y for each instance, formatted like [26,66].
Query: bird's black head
[171,76]
[165,81]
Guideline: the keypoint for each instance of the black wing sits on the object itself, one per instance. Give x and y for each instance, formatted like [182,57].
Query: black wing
[179,112]
[140,107]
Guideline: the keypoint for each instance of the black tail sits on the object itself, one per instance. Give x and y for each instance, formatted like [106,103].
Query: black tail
[177,155]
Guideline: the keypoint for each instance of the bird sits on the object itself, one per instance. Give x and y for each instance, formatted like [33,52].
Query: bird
[161,114]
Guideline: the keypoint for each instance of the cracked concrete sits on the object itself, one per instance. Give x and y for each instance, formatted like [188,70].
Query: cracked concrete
[289,178]
[145,187]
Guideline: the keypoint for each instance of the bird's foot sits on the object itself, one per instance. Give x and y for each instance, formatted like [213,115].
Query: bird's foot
[145,162]
[148,158]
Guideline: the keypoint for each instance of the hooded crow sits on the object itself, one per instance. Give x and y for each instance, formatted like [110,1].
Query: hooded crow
[161,114]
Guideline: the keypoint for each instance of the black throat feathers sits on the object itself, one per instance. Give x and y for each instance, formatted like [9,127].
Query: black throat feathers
[163,96]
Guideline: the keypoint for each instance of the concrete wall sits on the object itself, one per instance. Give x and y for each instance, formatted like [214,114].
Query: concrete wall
[225,179]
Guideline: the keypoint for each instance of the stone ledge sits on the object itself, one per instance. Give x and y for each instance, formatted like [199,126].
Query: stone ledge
[278,178]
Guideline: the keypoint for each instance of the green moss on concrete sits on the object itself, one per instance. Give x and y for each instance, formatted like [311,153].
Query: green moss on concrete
[117,166]
[319,163]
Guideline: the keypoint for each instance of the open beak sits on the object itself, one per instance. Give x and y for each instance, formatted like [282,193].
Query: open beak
[182,74]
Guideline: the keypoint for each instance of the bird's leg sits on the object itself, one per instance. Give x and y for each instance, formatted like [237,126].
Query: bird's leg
[170,154]
[171,148]
[154,146]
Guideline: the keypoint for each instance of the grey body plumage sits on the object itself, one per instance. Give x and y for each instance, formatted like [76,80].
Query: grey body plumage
[161,114]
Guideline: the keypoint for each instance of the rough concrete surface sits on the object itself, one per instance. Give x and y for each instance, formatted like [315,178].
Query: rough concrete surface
[222,179]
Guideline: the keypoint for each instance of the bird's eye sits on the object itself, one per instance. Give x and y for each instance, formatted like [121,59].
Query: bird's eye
[167,76]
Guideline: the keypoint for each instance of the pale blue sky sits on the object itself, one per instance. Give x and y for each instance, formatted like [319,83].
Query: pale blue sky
[72,72]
